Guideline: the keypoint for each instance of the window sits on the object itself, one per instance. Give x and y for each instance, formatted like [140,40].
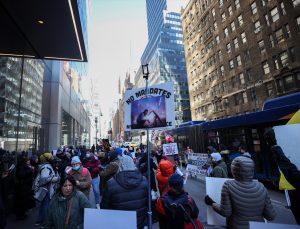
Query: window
[221,3]
[289,83]
[292,54]
[269,87]
[284,58]
[222,70]
[243,37]
[213,12]
[237,4]
[238,60]
[215,26]
[257,27]
[236,43]
[217,39]
[264,2]
[245,98]
[233,82]
[249,75]
[236,99]
[274,14]
[287,31]
[223,16]
[224,86]
[253,8]
[298,22]
[267,19]
[226,32]
[279,36]
[240,20]
[272,41]
[276,63]
[261,46]
[282,8]
[231,64]
[296,3]
[220,55]
[232,26]
[228,48]
[230,10]
[247,55]
[266,67]
[242,78]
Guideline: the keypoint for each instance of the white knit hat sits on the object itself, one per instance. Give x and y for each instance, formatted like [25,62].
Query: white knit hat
[216,156]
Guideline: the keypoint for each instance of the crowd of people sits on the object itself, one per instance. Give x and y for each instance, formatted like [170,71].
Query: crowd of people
[60,184]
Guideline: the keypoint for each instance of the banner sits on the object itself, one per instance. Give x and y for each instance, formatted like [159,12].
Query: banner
[195,163]
[156,110]
[170,149]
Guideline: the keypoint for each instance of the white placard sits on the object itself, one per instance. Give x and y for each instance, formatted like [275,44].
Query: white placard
[108,219]
[288,138]
[195,163]
[156,110]
[170,149]
[260,225]
[213,189]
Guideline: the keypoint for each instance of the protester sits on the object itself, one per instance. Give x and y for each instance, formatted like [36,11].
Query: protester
[208,165]
[164,170]
[92,164]
[143,168]
[244,152]
[127,190]
[243,199]
[110,170]
[290,171]
[175,204]
[66,208]
[219,166]
[81,175]
[63,163]
[23,188]
[45,185]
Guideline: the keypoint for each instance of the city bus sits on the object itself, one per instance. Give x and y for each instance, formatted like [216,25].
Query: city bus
[247,129]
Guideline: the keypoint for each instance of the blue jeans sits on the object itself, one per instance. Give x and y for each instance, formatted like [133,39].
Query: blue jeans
[95,184]
[43,210]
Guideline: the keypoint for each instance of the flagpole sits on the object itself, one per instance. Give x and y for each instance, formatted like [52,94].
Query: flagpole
[146,75]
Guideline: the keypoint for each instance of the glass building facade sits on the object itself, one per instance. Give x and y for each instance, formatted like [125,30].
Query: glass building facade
[165,55]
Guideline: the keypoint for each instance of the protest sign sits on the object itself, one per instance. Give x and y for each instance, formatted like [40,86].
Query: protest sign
[109,219]
[170,149]
[288,139]
[260,225]
[213,189]
[156,110]
[195,163]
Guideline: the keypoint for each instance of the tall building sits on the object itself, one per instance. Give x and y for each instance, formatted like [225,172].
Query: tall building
[240,53]
[165,53]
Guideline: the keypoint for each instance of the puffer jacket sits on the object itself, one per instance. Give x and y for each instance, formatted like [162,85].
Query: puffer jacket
[164,170]
[57,211]
[84,179]
[127,191]
[243,199]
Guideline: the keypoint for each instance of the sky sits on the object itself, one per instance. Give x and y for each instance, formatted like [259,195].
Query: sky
[117,38]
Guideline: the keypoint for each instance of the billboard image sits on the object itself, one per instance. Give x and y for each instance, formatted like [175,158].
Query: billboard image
[148,112]
[154,110]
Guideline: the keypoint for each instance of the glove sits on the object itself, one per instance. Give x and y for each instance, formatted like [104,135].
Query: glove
[208,200]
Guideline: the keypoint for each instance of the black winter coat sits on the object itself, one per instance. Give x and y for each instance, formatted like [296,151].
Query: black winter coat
[127,190]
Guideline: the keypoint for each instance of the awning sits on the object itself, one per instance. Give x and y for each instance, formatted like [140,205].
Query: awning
[47,29]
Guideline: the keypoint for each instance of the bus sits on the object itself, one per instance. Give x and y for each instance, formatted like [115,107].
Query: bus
[246,129]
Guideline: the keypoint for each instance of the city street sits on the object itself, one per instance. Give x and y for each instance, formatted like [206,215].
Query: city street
[196,188]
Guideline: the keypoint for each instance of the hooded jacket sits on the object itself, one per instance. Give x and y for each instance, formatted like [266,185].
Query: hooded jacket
[57,211]
[164,170]
[242,199]
[127,190]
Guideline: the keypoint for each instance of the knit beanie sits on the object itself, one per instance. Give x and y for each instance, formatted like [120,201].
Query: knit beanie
[176,181]
[216,156]
[45,157]
[75,159]
[119,151]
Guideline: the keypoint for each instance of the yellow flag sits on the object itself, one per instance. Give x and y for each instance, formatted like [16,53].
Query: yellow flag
[295,119]
[284,184]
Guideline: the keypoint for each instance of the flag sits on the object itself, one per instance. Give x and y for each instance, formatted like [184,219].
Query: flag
[169,138]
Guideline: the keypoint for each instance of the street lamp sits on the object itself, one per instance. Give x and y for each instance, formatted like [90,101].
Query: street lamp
[146,76]
[96,121]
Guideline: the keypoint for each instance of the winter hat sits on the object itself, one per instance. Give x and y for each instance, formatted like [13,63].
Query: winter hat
[176,181]
[75,160]
[45,157]
[126,164]
[59,152]
[216,156]
[112,155]
[119,151]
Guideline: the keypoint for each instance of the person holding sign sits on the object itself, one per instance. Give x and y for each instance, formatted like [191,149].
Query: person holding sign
[243,199]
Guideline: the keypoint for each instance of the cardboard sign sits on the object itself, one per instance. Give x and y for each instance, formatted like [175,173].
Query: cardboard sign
[154,110]
[108,219]
[260,225]
[170,149]
[213,189]
[288,138]
[195,163]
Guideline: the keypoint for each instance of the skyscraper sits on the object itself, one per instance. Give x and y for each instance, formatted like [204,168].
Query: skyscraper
[165,54]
